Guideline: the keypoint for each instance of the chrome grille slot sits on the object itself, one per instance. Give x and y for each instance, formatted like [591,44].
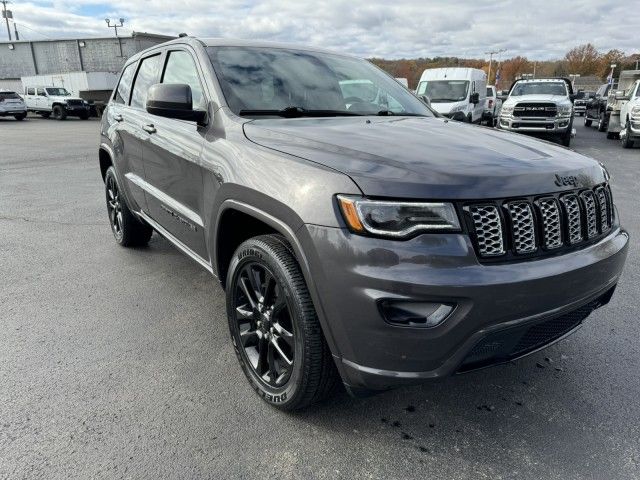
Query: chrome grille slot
[523,228]
[604,205]
[488,229]
[589,202]
[551,224]
[574,218]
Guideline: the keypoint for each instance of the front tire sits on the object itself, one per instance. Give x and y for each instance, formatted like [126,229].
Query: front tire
[127,229]
[20,116]
[274,327]
[626,140]
[587,121]
[59,113]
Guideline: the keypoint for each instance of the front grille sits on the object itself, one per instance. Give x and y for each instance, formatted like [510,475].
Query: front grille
[510,343]
[527,109]
[74,103]
[488,228]
[515,228]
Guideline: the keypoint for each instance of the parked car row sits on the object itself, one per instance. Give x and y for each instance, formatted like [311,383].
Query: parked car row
[617,110]
[46,101]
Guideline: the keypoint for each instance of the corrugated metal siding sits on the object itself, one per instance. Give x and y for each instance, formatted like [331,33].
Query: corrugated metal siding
[61,56]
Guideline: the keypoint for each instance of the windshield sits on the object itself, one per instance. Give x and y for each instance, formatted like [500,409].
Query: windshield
[258,80]
[440,91]
[539,88]
[58,91]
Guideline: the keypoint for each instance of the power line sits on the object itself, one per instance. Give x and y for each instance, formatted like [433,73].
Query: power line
[34,31]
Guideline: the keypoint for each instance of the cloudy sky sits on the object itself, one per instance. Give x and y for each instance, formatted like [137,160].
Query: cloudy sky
[539,29]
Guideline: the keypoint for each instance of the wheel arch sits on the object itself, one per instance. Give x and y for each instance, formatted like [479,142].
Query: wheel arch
[105,158]
[222,249]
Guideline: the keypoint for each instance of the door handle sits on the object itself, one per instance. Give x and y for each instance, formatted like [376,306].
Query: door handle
[149,128]
[118,118]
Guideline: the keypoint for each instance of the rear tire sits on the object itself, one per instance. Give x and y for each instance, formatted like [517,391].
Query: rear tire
[20,116]
[59,113]
[127,229]
[612,135]
[84,116]
[602,125]
[274,327]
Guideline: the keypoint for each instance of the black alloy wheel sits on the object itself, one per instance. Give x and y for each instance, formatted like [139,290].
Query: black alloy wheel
[114,207]
[128,230]
[274,327]
[264,324]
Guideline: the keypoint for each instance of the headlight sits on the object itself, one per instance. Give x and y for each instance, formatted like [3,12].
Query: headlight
[506,110]
[397,219]
[635,110]
[564,110]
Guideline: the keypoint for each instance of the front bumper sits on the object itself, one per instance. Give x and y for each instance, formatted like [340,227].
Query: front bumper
[579,109]
[541,125]
[352,274]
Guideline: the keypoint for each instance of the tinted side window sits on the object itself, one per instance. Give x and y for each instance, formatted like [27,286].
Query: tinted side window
[181,69]
[31,91]
[124,86]
[148,74]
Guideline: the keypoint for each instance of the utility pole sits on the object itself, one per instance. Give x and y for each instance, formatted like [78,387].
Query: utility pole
[6,14]
[491,54]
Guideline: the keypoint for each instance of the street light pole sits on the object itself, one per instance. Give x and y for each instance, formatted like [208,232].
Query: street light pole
[6,14]
[115,26]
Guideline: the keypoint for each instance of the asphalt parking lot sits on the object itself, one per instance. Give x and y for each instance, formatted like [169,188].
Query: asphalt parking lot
[116,363]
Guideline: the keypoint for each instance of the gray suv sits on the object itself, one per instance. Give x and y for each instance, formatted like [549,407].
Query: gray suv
[358,236]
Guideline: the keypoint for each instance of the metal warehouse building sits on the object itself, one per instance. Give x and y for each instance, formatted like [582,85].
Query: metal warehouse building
[27,58]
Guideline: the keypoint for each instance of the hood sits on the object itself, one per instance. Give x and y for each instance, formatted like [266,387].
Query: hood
[427,158]
[63,98]
[537,98]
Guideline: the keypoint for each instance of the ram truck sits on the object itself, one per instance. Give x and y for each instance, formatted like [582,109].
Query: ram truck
[540,107]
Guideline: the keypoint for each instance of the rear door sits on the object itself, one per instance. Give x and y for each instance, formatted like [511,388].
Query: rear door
[125,121]
[172,158]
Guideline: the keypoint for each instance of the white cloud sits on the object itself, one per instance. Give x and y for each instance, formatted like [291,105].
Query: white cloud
[404,28]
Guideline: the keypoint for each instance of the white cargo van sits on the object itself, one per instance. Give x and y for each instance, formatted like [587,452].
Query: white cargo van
[458,93]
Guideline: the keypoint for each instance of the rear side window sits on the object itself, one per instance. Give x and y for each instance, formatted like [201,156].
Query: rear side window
[148,74]
[31,91]
[181,69]
[124,86]
[9,96]
[41,92]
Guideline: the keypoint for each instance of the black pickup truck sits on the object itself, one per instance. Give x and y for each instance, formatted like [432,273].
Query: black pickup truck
[597,109]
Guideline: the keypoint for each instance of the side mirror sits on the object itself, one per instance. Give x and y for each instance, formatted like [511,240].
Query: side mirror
[474,98]
[620,95]
[173,100]
[572,97]
[425,99]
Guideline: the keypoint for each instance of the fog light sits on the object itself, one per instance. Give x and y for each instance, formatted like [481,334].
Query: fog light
[415,314]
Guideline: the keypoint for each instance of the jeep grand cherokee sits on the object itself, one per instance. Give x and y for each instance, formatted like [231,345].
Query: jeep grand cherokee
[361,239]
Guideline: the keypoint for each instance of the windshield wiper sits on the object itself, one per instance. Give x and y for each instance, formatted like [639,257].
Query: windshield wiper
[296,112]
[389,113]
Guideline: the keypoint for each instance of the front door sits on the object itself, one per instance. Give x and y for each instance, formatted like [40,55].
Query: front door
[172,160]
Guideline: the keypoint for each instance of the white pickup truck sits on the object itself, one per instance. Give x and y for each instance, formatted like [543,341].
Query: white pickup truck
[491,107]
[56,102]
[630,117]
